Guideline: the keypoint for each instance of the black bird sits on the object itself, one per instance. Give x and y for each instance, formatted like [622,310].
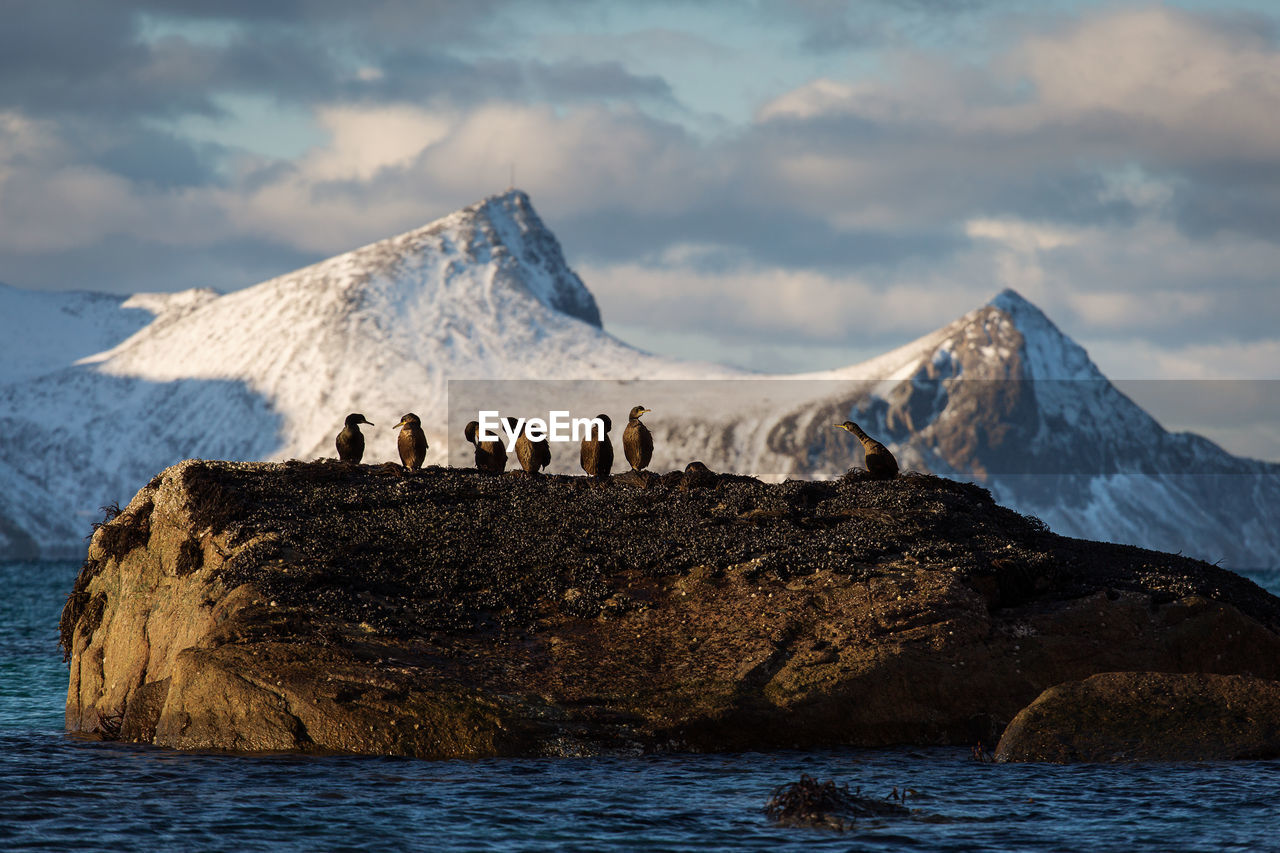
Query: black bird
[491,456]
[597,453]
[697,476]
[351,441]
[412,442]
[533,455]
[880,462]
[637,441]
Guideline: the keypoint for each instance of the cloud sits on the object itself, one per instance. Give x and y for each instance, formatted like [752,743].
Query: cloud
[774,305]
[1121,168]
[1020,235]
[367,139]
[1157,86]
[119,60]
[828,26]
[394,22]
[414,74]
[1157,69]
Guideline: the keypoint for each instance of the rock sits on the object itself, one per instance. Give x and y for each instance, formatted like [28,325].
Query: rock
[325,607]
[1148,716]
[825,805]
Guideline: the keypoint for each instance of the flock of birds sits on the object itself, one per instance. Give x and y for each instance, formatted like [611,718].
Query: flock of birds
[595,455]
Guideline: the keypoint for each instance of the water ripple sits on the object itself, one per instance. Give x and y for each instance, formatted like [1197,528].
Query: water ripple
[62,793]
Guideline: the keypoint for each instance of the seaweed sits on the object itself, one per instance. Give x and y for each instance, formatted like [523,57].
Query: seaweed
[119,532]
[449,549]
[91,619]
[210,501]
[826,805]
[190,556]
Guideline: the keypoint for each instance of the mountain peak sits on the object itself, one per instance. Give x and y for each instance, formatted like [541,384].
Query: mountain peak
[1048,353]
[507,225]
[1011,301]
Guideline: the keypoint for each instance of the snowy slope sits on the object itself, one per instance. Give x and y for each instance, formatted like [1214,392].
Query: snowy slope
[1000,396]
[269,372]
[45,331]
[480,310]
[1003,397]
[482,293]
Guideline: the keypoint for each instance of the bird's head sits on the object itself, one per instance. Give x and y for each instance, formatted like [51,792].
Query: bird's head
[608,424]
[470,431]
[355,418]
[637,411]
[847,426]
[409,420]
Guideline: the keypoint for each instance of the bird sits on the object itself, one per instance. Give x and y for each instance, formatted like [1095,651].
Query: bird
[533,455]
[412,442]
[697,476]
[491,456]
[637,441]
[880,462]
[351,441]
[597,453]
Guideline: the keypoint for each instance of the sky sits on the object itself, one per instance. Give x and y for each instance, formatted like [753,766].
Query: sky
[782,185]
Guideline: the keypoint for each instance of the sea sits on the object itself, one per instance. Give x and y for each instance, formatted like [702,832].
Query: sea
[63,792]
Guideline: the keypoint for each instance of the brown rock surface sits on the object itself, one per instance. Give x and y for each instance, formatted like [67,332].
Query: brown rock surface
[325,607]
[1148,716]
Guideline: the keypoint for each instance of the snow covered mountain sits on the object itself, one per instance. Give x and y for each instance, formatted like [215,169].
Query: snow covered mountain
[100,393]
[480,310]
[1002,397]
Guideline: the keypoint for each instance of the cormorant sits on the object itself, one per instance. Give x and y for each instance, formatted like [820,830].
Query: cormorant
[880,462]
[637,441]
[597,454]
[491,456]
[351,441]
[533,455]
[412,442]
[697,476]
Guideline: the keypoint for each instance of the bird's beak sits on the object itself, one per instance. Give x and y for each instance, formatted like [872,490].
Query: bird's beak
[370,423]
[398,425]
[646,411]
[838,426]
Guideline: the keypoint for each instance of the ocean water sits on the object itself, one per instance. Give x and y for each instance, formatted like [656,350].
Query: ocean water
[59,792]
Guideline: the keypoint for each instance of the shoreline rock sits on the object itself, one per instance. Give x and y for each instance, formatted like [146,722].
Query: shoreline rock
[443,614]
[1148,716]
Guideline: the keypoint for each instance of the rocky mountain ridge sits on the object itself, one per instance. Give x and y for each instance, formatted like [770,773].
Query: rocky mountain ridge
[480,309]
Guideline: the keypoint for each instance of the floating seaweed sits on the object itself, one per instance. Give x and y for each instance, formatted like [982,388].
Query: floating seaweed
[981,754]
[826,805]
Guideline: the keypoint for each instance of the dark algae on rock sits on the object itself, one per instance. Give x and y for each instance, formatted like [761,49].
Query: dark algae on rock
[826,805]
[462,552]
[441,613]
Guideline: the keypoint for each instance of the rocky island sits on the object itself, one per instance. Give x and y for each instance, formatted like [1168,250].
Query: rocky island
[326,607]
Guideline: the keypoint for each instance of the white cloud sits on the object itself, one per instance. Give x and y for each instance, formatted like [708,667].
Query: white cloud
[386,170]
[1218,85]
[1153,80]
[1022,236]
[1138,359]
[816,98]
[773,304]
[1152,309]
[49,202]
[367,139]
